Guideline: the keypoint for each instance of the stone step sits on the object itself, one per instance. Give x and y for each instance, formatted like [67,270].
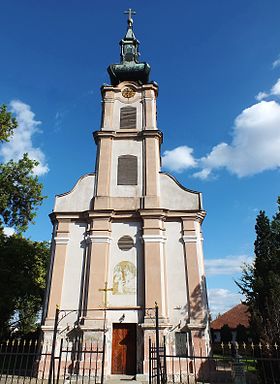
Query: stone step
[124,379]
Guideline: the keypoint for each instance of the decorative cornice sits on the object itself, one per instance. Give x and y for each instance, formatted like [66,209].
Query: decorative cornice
[154,238]
[61,240]
[135,134]
[99,239]
[197,325]
[190,238]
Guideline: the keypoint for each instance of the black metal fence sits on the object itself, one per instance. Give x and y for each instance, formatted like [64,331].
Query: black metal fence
[31,361]
[157,363]
[227,363]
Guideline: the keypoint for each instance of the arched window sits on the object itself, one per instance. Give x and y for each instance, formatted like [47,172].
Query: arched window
[128,118]
[127,170]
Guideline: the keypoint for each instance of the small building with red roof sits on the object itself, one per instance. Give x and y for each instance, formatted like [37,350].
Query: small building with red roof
[234,318]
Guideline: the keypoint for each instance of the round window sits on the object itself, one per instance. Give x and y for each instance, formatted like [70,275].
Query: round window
[125,243]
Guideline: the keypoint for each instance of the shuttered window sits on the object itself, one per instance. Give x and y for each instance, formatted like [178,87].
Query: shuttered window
[128,118]
[127,170]
[181,343]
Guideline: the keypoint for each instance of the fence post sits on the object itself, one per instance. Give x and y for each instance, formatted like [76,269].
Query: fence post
[238,372]
[103,357]
[150,361]
[52,366]
[157,345]
[164,361]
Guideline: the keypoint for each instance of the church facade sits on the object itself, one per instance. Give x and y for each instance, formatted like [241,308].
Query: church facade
[129,235]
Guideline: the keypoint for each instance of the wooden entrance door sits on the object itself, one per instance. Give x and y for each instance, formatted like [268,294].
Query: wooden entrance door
[124,349]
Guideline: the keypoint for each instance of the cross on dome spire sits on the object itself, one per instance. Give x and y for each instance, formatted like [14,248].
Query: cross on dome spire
[129,12]
[130,68]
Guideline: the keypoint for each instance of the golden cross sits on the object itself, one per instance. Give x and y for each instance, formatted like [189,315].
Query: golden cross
[105,290]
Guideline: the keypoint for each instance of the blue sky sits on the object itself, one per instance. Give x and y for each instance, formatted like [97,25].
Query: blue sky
[217,64]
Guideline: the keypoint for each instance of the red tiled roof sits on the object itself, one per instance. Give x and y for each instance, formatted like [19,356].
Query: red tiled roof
[236,315]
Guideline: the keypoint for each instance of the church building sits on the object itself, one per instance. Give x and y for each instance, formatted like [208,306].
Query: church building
[129,235]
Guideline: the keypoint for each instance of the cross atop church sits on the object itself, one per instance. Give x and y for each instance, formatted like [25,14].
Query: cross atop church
[130,12]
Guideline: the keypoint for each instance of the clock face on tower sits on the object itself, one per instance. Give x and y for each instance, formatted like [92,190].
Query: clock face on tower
[128,92]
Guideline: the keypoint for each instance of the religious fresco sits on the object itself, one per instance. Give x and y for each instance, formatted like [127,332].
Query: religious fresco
[124,278]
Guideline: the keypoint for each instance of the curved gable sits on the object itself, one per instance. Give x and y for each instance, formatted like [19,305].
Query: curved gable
[174,196]
[79,198]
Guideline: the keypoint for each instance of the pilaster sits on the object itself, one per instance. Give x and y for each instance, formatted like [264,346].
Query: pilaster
[61,240]
[99,240]
[104,166]
[154,261]
[197,308]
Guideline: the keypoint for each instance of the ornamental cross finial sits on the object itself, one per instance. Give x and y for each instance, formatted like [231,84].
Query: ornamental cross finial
[130,12]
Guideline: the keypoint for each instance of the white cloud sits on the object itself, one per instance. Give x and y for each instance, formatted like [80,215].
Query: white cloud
[21,142]
[9,231]
[221,300]
[261,95]
[226,266]
[178,159]
[276,63]
[275,90]
[254,147]
[203,175]
[255,144]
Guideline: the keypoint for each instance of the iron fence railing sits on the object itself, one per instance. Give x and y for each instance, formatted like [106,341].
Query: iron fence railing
[28,362]
[227,363]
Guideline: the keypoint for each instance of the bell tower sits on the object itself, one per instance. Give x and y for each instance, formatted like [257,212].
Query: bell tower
[128,161]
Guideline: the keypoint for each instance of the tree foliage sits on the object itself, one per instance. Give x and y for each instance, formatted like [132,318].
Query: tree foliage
[22,280]
[226,334]
[260,282]
[20,193]
[7,123]
[23,263]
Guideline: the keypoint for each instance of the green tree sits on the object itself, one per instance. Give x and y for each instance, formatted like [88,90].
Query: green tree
[226,334]
[7,123]
[22,280]
[241,334]
[260,282]
[23,262]
[20,193]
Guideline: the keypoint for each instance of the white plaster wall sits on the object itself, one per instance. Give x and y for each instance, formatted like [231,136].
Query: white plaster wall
[79,198]
[73,268]
[126,147]
[176,287]
[173,196]
[134,256]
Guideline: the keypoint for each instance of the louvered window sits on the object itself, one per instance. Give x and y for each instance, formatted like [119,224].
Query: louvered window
[128,118]
[127,170]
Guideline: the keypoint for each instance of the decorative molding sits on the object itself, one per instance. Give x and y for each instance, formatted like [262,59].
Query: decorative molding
[61,240]
[197,325]
[99,239]
[154,238]
[190,239]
